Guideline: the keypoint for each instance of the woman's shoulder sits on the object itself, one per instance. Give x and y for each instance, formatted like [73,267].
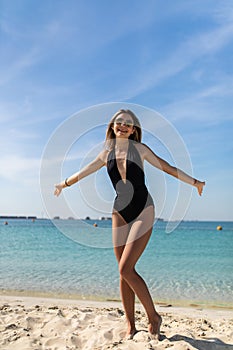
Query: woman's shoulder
[103,155]
[142,148]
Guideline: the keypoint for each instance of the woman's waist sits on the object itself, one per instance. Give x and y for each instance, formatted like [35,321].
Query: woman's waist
[131,191]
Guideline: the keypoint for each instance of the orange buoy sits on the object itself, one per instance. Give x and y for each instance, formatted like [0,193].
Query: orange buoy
[219,228]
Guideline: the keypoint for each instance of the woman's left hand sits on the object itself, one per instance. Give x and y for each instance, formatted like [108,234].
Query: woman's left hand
[199,185]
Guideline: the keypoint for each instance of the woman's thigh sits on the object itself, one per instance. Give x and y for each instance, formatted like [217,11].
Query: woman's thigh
[127,238]
[120,232]
[142,225]
[137,240]
[132,252]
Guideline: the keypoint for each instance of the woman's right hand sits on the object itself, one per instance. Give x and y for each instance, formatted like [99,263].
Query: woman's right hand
[58,189]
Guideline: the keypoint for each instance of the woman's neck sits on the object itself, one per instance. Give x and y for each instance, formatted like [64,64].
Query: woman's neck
[121,144]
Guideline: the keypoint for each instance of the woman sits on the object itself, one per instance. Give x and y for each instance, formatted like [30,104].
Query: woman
[133,210]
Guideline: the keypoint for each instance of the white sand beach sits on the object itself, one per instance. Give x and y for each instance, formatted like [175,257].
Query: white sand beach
[36,323]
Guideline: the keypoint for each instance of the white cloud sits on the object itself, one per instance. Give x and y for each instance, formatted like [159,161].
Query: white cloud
[195,47]
[201,105]
[20,63]
[223,12]
[19,169]
[10,109]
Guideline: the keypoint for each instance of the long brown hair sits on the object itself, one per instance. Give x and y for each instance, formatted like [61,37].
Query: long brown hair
[110,135]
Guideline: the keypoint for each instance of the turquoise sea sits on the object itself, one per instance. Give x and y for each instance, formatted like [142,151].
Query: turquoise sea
[191,265]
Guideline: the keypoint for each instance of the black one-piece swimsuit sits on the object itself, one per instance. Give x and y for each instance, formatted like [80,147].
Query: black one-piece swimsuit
[132,195]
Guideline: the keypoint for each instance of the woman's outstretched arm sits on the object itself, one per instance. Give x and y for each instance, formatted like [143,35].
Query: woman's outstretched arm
[90,168]
[161,164]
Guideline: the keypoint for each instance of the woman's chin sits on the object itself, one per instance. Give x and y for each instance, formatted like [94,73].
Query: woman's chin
[122,135]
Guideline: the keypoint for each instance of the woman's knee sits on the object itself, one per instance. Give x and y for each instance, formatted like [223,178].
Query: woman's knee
[125,270]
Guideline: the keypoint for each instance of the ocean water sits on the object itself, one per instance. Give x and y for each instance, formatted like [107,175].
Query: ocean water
[191,265]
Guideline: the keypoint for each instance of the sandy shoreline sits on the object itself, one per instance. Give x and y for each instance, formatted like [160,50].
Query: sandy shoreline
[37,323]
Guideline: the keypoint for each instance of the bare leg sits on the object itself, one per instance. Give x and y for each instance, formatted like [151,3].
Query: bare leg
[128,300]
[135,281]
[131,253]
[127,294]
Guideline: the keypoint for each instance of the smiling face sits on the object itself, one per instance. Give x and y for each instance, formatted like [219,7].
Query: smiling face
[123,126]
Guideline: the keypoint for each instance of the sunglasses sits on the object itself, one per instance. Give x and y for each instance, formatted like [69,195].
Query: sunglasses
[120,121]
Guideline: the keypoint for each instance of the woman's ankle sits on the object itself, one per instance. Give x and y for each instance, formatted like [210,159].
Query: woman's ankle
[131,331]
[154,325]
[131,328]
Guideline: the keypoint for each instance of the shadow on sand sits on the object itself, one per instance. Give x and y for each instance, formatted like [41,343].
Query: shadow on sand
[200,344]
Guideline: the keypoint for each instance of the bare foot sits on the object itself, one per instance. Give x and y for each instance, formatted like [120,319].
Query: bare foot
[130,333]
[154,327]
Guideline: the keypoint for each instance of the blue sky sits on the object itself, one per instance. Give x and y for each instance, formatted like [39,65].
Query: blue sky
[61,57]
